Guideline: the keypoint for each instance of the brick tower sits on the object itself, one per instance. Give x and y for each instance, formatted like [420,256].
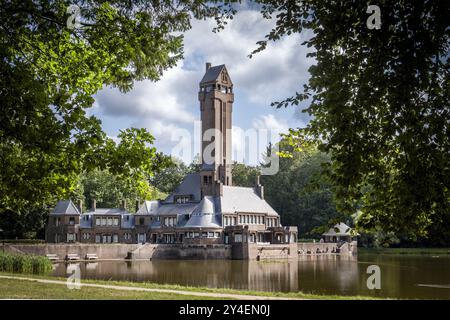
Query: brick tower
[216,102]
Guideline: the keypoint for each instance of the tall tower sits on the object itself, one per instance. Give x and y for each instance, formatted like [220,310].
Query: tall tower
[216,102]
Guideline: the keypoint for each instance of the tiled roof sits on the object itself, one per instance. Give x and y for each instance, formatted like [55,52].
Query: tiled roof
[176,208]
[205,215]
[212,74]
[148,207]
[241,199]
[65,207]
[340,229]
[108,211]
[189,186]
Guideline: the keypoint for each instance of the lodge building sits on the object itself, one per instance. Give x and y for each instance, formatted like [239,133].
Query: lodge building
[204,209]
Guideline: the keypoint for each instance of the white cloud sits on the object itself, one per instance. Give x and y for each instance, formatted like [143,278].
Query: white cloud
[269,122]
[171,103]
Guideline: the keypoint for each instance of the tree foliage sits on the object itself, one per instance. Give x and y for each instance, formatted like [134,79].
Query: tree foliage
[109,190]
[300,192]
[244,175]
[49,73]
[171,176]
[379,101]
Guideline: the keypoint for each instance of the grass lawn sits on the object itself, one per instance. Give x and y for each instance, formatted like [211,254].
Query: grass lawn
[22,289]
[433,251]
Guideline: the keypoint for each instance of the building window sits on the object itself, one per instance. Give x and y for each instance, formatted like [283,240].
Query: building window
[57,221]
[109,221]
[182,198]
[217,234]
[141,221]
[205,180]
[204,234]
[210,234]
[237,237]
[98,238]
[116,221]
[97,221]
[71,220]
[103,221]
[115,238]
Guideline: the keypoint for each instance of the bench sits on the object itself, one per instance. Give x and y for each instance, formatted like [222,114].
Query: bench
[91,256]
[52,257]
[72,256]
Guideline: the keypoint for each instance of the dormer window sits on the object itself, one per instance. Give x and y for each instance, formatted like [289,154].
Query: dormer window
[182,198]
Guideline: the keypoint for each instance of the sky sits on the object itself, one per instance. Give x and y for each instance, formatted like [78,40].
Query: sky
[169,108]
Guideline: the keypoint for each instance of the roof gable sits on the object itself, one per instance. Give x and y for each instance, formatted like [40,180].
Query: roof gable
[189,186]
[217,74]
[65,207]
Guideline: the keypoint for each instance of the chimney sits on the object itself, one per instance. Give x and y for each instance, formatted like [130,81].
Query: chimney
[80,206]
[138,204]
[208,65]
[259,188]
[261,191]
[123,204]
[93,205]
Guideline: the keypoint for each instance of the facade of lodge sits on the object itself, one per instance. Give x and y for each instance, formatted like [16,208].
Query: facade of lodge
[205,208]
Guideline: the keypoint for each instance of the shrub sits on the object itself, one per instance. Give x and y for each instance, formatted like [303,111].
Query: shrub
[22,263]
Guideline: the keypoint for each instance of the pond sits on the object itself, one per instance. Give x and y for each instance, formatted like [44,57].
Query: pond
[402,276]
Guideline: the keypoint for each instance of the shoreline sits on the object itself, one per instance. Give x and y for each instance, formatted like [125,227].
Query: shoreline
[13,284]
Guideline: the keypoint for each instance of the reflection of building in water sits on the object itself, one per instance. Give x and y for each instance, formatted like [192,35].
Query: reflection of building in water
[328,273]
[273,275]
[249,275]
[91,266]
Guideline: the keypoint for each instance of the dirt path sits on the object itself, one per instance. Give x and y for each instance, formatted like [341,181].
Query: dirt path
[189,293]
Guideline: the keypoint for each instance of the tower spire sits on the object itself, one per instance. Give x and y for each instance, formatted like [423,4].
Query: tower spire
[216,101]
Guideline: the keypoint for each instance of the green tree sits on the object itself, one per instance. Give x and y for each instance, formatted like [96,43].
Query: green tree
[300,192]
[170,177]
[379,101]
[243,175]
[49,73]
[109,190]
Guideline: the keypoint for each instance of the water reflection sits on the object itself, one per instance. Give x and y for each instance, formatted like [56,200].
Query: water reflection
[343,275]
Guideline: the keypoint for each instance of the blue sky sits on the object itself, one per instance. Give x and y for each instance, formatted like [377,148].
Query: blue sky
[171,104]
